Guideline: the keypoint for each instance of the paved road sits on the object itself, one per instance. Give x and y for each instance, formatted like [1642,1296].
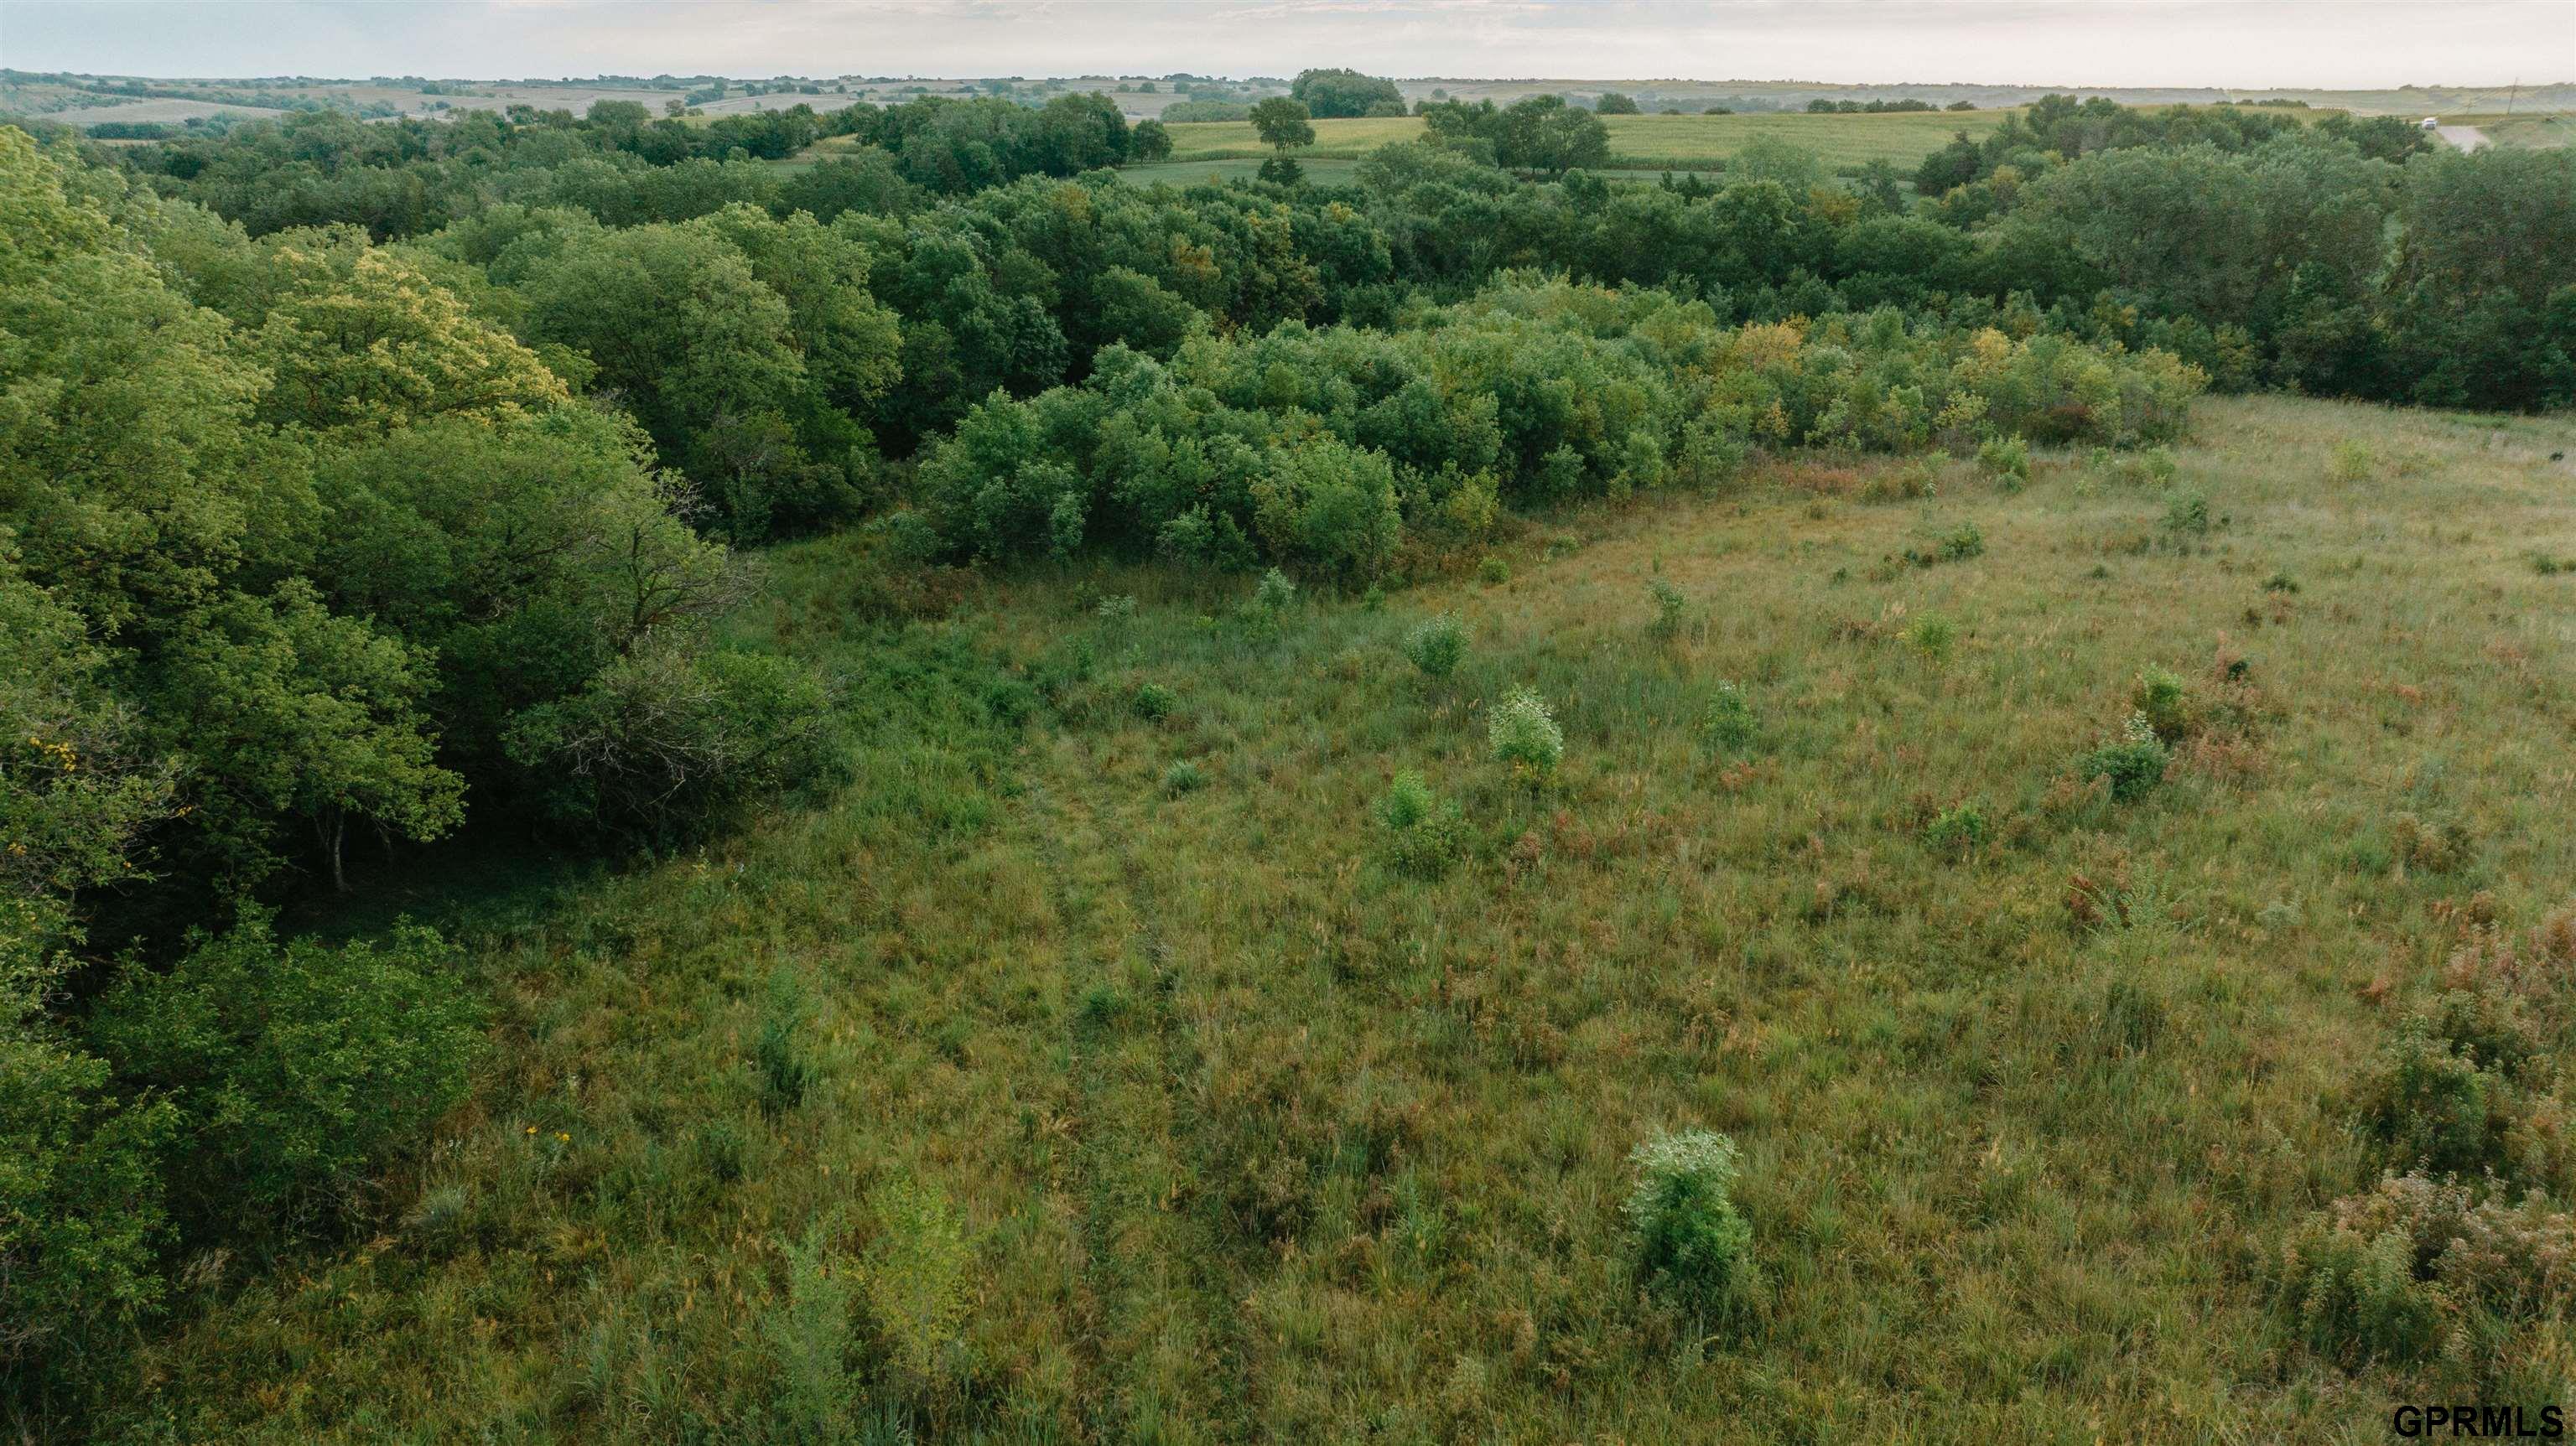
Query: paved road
[2467,138]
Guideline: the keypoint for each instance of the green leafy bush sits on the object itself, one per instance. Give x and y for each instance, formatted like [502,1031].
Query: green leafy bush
[2187,513]
[1437,645]
[2164,700]
[1690,1241]
[1934,637]
[1274,593]
[1425,836]
[1959,830]
[1728,725]
[81,1191]
[2431,1105]
[2005,457]
[1330,507]
[297,1069]
[1670,609]
[663,745]
[1524,735]
[1151,701]
[2134,763]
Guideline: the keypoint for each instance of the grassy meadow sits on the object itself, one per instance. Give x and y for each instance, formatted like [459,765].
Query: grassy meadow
[1092,1057]
[2521,130]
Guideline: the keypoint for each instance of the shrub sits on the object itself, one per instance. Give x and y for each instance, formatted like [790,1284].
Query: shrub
[2417,1268]
[2134,763]
[1524,735]
[664,745]
[1331,507]
[2165,702]
[1963,542]
[2430,1106]
[1150,701]
[1728,724]
[2005,457]
[1437,645]
[297,1070]
[1691,1243]
[1275,592]
[1183,777]
[1934,637]
[2353,461]
[1670,606]
[2187,513]
[1493,571]
[1116,611]
[1424,835]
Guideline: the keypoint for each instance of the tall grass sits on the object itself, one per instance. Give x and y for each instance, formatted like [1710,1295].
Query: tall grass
[1136,1113]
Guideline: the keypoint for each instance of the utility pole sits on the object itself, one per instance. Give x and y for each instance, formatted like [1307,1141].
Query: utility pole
[2514,95]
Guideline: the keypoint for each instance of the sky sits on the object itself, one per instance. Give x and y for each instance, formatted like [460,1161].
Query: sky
[2246,44]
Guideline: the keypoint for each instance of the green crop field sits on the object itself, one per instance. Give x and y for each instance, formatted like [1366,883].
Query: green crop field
[1644,142]
[1104,1061]
[1680,142]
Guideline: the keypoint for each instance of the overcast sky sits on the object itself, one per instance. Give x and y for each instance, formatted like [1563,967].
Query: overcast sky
[2235,43]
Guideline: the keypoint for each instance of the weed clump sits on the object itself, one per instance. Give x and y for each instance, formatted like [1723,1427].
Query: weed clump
[1670,610]
[2437,846]
[786,1074]
[1961,830]
[1493,571]
[1424,836]
[1728,725]
[918,1276]
[2133,764]
[1183,777]
[1524,735]
[1692,1244]
[2417,1269]
[1437,645]
[2164,700]
[1934,637]
[2187,513]
[1150,701]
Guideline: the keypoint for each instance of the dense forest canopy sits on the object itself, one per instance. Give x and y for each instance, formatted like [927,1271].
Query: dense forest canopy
[365,482]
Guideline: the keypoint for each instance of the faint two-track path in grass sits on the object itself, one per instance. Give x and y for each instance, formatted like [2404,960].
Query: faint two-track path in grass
[1157,1322]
